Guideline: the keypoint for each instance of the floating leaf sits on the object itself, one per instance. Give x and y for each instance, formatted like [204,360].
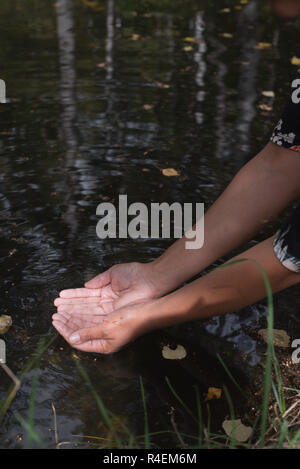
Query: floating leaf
[265,107]
[237,430]
[263,45]
[213,393]
[229,35]
[5,323]
[177,354]
[162,85]
[187,48]
[170,172]
[295,60]
[189,39]
[280,337]
[268,94]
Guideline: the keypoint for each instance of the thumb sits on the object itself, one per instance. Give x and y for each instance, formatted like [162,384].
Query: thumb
[100,280]
[86,335]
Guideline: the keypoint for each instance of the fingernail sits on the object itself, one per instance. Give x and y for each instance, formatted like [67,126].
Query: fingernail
[75,338]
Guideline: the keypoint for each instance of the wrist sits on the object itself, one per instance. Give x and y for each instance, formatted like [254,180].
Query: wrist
[161,277]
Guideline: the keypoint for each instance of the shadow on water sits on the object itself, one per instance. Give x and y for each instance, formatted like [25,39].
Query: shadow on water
[99,96]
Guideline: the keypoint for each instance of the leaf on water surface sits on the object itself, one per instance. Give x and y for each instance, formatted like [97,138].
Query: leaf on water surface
[5,323]
[213,393]
[263,45]
[187,48]
[229,35]
[177,354]
[170,172]
[268,94]
[265,107]
[189,39]
[295,60]
[163,85]
[237,430]
[280,337]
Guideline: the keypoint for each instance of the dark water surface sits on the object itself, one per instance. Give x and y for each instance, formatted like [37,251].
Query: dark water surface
[75,132]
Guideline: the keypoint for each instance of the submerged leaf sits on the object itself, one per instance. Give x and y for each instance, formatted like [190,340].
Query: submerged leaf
[280,337]
[237,430]
[177,354]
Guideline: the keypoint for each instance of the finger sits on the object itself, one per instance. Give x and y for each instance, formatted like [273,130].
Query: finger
[95,346]
[62,329]
[100,280]
[88,334]
[81,308]
[79,293]
[75,322]
[74,301]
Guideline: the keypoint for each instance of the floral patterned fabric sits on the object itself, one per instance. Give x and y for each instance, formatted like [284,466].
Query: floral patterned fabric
[287,134]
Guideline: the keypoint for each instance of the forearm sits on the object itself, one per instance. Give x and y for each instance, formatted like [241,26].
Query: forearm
[257,194]
[223,290]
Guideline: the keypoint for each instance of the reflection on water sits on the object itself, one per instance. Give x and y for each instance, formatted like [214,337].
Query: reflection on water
[75,132]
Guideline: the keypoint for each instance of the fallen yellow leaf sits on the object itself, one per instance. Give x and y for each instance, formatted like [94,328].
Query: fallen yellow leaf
[265,107]
[237,430]
[187,48]
[177,354]
[5,323]
[268,94]
[189,39]
[263,45]
[280,337]
[295,60]
[170,172]
[213,393]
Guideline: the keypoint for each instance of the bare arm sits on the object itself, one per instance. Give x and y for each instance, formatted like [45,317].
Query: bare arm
[258,193]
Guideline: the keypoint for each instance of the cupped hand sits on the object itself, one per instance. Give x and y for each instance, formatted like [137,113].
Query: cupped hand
[102,333]
[118,286]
